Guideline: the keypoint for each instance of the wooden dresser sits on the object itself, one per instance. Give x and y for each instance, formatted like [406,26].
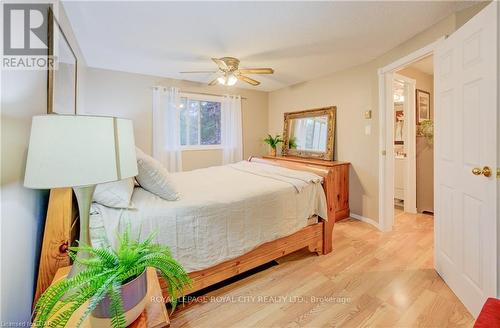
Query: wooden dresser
[338,186]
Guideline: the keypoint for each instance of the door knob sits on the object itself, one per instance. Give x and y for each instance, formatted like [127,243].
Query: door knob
[486,171]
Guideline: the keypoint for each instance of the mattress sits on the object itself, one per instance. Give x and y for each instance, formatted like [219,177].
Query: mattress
[224,212]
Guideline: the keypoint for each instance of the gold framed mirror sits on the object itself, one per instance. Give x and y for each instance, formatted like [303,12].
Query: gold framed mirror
[310,133]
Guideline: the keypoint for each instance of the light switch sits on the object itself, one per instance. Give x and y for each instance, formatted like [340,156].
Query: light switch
[368,129]
[368,114]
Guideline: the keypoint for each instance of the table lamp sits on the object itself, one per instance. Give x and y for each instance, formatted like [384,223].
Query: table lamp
[79,152]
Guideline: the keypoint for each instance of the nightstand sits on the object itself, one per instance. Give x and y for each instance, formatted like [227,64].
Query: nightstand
[155,314]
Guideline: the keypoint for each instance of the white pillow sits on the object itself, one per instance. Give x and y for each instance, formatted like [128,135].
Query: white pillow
[154,177]
[115,194]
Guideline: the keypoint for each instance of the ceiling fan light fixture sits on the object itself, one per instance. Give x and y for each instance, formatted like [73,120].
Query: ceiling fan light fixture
[221,80]
[231,80]
[230,72]
[227,79]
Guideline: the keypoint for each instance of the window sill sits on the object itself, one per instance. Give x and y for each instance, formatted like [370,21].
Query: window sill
[207,147]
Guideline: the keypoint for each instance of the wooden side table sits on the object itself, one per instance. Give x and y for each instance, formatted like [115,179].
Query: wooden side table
[155,314]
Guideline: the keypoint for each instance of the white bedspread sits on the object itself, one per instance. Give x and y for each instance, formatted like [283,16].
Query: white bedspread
[224,211]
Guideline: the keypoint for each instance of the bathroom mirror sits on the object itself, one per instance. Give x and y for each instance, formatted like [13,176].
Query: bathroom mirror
[310,133]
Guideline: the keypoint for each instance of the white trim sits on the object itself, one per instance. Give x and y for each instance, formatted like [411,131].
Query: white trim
[366,220]
[386,136]
[386,142]
[200,147]
[413,57]
[382,151]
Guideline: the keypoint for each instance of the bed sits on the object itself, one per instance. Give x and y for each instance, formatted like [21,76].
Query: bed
[230,219]
[224,212]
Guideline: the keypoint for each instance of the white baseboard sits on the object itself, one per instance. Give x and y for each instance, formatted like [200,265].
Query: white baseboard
[366,220]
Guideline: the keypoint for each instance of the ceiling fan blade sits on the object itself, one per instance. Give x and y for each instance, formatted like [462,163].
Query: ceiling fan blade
[196,72]
[213,82]
[248,80]
[256,71]
[222,65]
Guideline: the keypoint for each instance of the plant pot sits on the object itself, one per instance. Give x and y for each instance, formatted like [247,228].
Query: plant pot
[134,301]
[273,152]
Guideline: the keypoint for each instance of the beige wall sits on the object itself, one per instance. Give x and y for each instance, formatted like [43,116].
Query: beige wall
[355,91]
[423,80]
[351,91]
[463,16]
[424,151]
[129,95]
[23,95]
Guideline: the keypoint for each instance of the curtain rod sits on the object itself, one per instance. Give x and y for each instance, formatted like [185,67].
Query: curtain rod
[199,93]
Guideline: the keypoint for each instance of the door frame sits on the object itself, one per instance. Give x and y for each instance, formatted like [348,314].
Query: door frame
[386,133]
[410,178]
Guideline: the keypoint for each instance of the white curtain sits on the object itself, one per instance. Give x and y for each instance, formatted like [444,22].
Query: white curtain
[166,128]
[300,133]
[232,143]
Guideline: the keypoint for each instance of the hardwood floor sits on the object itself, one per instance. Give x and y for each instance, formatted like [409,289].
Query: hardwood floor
[371,279]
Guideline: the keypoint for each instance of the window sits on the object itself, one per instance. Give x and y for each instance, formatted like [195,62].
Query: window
[200,120]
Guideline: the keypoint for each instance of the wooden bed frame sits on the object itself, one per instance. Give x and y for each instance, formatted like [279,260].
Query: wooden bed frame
[61,229]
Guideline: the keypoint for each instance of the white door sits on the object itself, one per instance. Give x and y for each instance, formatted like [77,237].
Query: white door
[466,142]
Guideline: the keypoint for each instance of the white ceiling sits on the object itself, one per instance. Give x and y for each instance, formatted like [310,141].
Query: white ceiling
[300,40]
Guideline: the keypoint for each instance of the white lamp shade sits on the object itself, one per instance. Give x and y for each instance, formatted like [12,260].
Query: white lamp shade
[70,151]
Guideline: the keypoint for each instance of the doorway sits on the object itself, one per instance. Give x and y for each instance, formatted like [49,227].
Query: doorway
[409,103]
[401,155]
[413,91]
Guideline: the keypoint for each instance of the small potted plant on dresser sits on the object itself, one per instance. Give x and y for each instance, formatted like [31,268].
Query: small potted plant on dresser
[273,142]
[112,285]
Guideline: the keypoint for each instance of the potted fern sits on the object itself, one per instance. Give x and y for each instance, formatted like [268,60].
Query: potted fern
[113,282]
[273,142]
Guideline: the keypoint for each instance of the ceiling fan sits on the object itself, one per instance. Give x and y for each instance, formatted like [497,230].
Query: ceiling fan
[228,66]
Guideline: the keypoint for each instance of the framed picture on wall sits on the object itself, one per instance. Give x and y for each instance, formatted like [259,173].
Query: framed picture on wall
[61,91]
[423,107]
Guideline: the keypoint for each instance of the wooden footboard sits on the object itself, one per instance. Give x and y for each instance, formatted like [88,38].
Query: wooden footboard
[310,237]
[335,183]
[61,214]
